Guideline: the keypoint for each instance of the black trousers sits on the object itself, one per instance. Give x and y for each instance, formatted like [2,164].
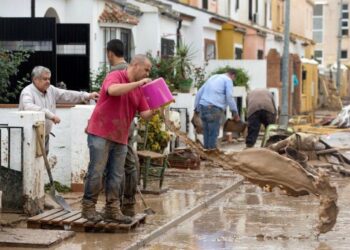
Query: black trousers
[254,122]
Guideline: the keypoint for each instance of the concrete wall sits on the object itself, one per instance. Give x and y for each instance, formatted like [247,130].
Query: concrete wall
[33,168]
[301,21]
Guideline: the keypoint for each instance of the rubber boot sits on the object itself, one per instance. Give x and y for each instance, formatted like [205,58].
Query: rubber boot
[114,214]
[129,210]
[89,212]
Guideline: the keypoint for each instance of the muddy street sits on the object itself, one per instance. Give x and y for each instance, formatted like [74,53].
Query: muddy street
[250,218]
[245,218]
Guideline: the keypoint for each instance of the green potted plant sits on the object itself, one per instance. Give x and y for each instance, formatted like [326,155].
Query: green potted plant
[182,63]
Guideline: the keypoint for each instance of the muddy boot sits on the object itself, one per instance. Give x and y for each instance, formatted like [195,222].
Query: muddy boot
[129,210]
[89,212]
[114,214]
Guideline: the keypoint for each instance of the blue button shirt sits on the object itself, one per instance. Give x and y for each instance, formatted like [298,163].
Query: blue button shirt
[217,91]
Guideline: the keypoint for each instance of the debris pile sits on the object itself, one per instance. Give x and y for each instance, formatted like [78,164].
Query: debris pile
[313,154]
[343,118]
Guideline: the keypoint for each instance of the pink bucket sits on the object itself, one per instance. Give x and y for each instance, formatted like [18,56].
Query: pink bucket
[157,93]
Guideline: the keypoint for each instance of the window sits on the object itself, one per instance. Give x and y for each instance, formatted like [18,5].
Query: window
[71,49]
[210,49]
[205,4]
[124,35]
[256,6]
[250,10]
[318,55]
[344,54]
[303,77]
[167,47]
[237,5]
[260,54]
[238,53]
[345,20]
[318,23]
[27,45]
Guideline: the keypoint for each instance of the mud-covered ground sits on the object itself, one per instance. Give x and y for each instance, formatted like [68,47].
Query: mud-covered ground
[250,218]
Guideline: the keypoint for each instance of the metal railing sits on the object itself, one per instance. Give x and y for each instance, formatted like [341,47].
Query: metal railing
[11,167]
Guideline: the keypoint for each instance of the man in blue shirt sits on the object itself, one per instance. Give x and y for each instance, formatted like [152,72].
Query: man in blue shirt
[211,101]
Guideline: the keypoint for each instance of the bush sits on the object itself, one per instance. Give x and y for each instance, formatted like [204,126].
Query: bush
[9,63]
[96,78]
[157,137]
[242,76]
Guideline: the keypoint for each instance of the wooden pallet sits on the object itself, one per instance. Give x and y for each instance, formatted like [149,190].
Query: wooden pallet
[61,219]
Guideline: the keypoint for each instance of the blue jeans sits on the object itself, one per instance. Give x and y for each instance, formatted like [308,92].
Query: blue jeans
[211,119]
[106,156]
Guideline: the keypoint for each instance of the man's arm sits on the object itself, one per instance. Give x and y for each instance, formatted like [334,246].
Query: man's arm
[229,96]
[71,96]
[118,89]
[147,115]
[198,98]
[273,103]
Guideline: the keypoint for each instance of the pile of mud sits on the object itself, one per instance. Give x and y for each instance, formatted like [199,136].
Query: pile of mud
[264,167]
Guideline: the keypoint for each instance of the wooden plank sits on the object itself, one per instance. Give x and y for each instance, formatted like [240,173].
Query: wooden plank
[80,221]
[101,224]
[112,225]
[71,219]
[23,237]
[135,222]
[45,214]
[66,216]
[53,216]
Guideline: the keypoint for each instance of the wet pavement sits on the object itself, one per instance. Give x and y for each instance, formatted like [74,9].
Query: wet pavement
[187,188]
[250,218]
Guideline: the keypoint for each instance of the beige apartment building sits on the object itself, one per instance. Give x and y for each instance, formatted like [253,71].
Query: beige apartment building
[325,31]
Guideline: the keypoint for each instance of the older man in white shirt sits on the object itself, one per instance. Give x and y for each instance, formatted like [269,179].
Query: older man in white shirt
[41,96]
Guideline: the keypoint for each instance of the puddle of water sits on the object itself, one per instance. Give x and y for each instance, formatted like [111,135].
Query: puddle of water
[279,222]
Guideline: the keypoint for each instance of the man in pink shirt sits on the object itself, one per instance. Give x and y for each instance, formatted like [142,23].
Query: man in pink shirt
[120,98]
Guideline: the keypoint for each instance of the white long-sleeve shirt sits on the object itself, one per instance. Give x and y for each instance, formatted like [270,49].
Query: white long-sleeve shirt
[33,99]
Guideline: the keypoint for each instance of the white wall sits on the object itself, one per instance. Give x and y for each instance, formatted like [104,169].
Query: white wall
[33,167]
[147,35]
[271,43]
[256,70]
[196,31]
[15,8]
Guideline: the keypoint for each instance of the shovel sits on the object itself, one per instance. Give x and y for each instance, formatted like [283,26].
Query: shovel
[147,210]
[53,193]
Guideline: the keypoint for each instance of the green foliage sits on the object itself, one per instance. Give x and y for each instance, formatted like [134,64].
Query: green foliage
[157,137]
[199,75]
[58,186]
[242,76]
[175,70]
[97,77]
[9,63]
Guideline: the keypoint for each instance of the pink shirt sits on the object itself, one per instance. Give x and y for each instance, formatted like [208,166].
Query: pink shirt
[113,115]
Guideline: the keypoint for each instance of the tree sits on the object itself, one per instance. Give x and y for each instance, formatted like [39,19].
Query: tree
[9,63]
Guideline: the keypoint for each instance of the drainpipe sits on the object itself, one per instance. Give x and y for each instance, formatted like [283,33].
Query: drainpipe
[178,34]
[32,9]
[285,69]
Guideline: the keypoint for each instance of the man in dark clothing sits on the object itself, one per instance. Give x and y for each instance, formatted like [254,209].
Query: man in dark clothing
[115,55]
[261,110]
